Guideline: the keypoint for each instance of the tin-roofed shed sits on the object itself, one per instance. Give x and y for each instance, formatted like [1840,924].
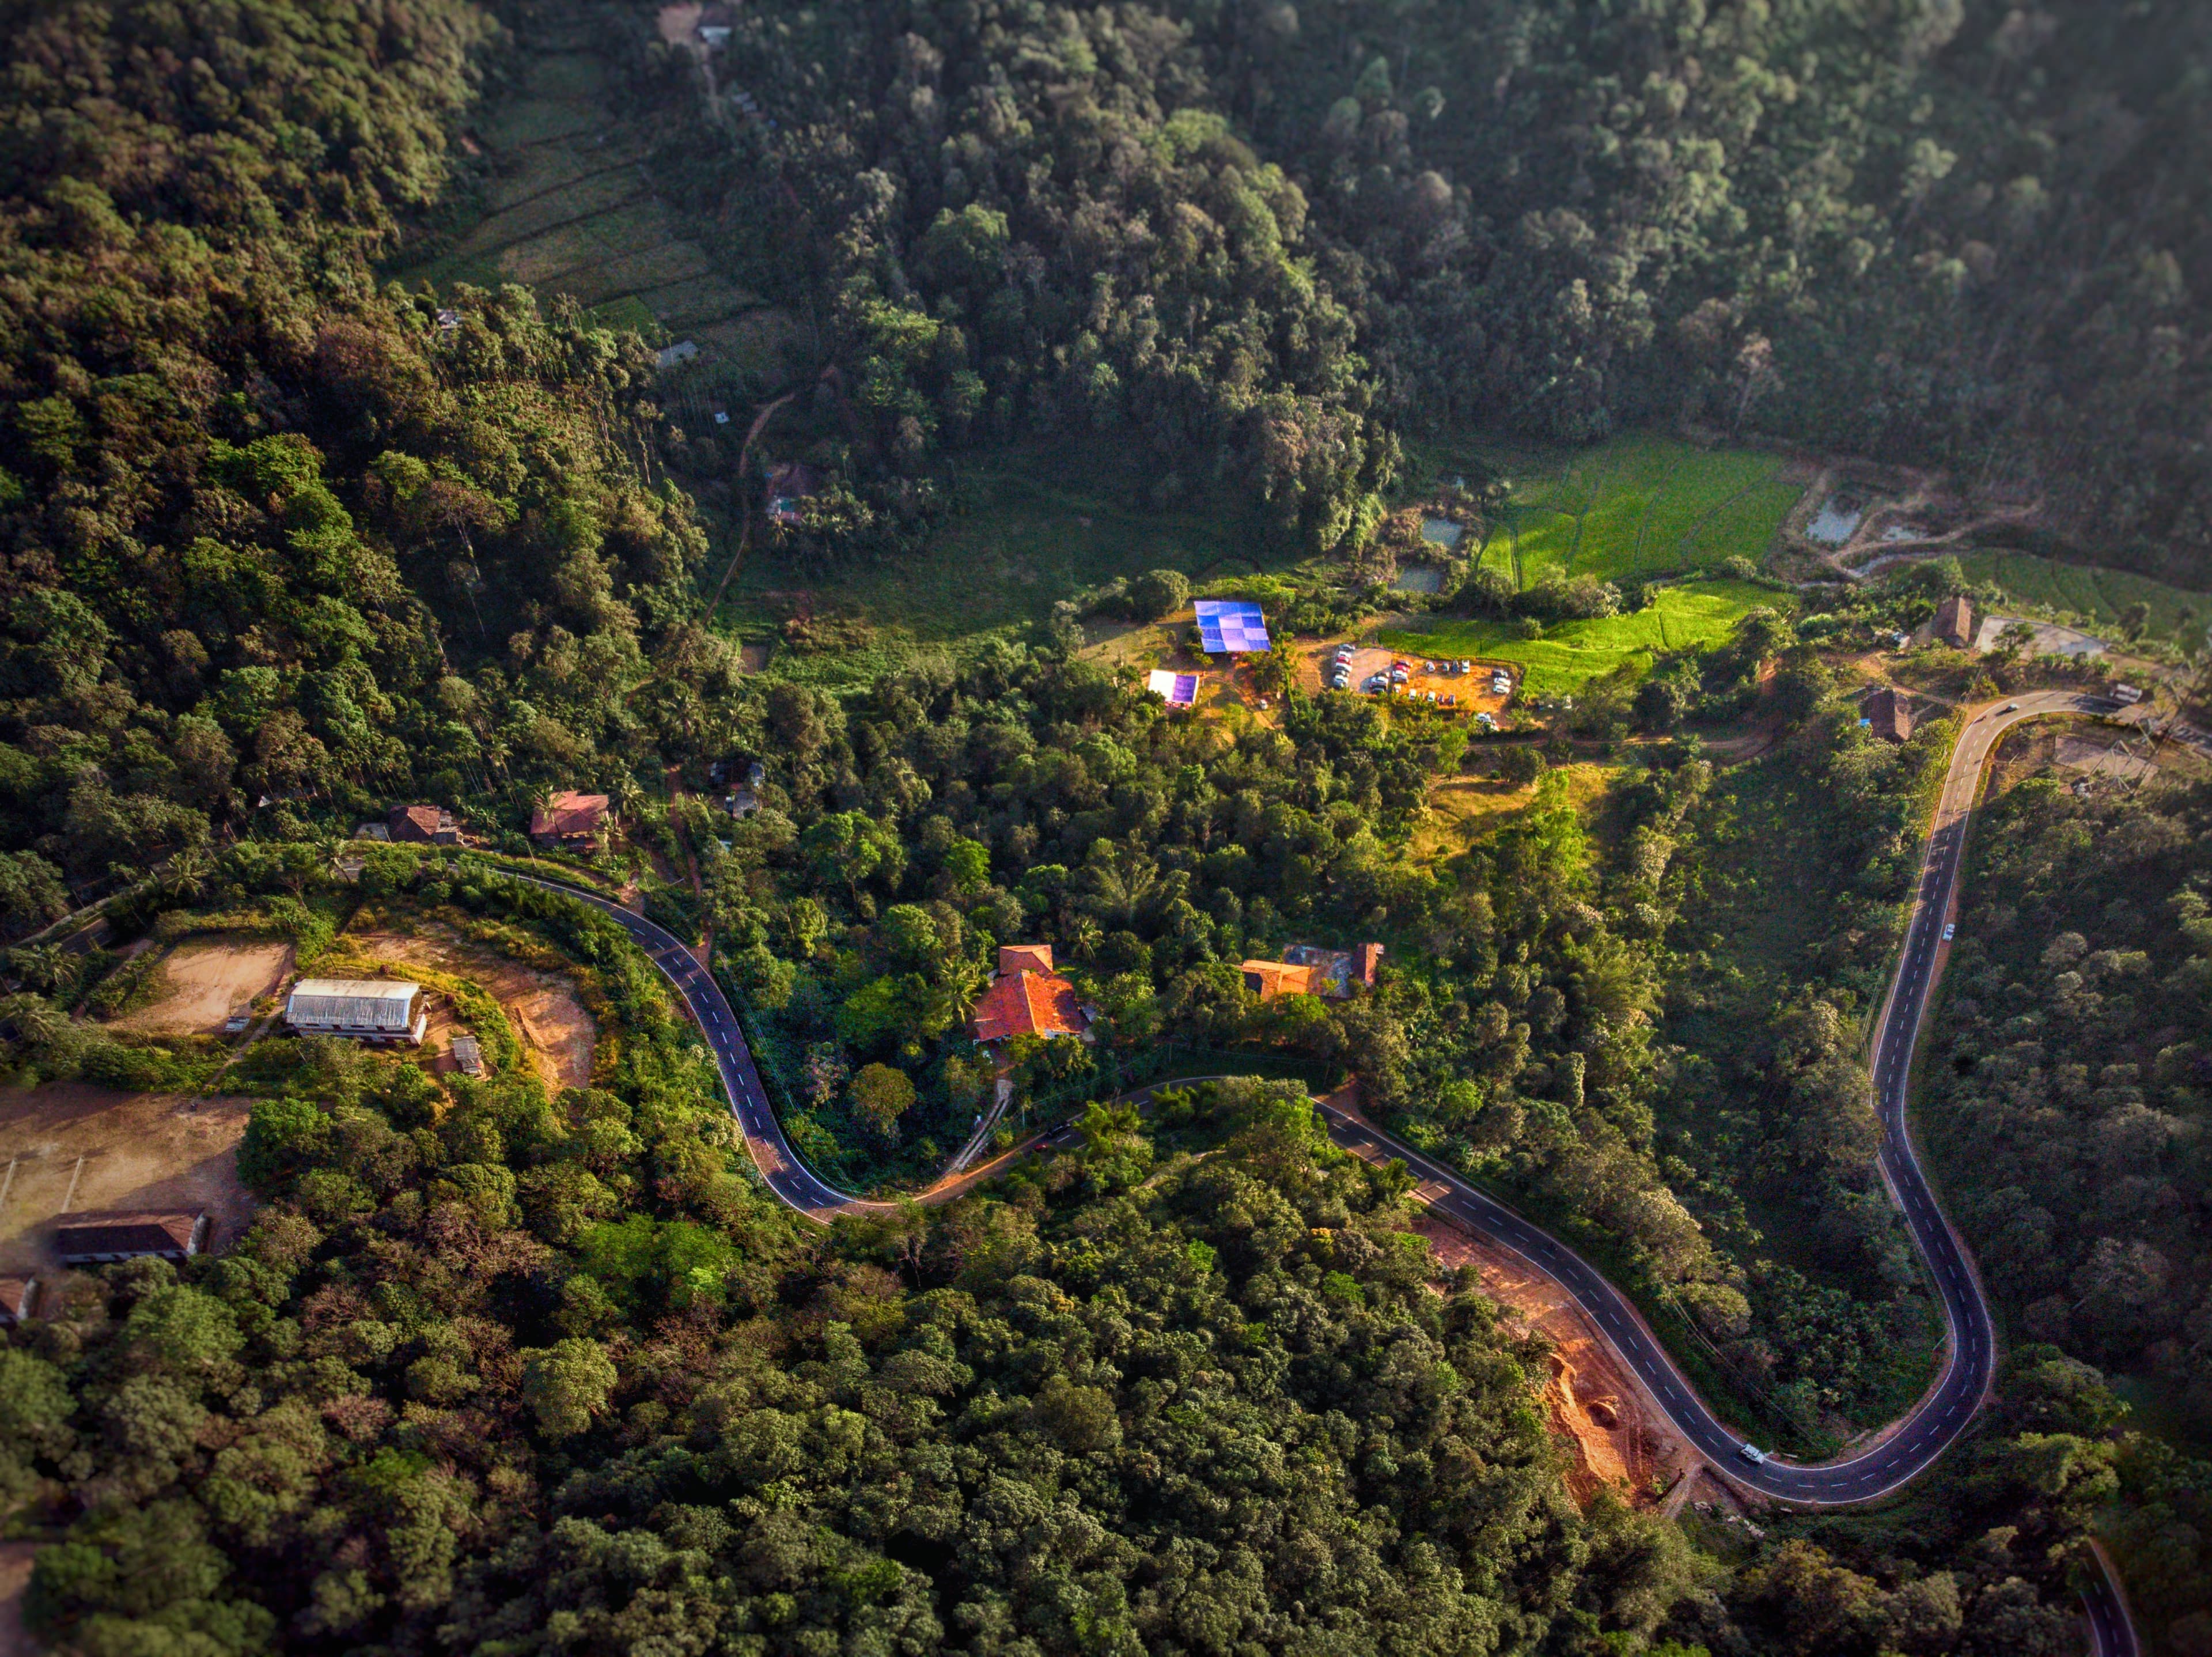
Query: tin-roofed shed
[363,1009]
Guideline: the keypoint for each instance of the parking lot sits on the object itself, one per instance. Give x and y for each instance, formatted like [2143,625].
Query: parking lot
[1470,692]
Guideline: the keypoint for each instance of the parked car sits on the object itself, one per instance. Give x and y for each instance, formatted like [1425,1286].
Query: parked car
[1950,931]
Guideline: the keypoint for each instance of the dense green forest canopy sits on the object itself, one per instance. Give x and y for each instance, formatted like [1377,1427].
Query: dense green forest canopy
[496,1371]
[276,542]
[1260,240]
[499,1371]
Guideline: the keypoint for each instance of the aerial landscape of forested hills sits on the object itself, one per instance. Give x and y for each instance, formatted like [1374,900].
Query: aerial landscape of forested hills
[950,1102]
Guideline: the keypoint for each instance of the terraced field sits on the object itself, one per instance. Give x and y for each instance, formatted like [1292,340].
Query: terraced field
[568,206]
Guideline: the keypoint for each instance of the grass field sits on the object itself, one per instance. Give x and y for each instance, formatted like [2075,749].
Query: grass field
[1636,506]
[1695,615]
[1045,521]
[2095,596]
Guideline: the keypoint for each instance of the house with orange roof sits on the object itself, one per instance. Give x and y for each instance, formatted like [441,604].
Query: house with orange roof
[1309,969]
[569,819]
[1028,998]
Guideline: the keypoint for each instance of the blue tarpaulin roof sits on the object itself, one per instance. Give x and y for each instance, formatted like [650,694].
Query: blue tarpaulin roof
[1229,626]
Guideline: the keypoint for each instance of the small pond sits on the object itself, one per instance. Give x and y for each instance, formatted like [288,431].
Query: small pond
[1442,531]
[1419,578]
[1836,522]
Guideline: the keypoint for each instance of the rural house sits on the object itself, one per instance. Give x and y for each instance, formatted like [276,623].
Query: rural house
[787,485]
[360,1009]
[1955,621]
[424,825]
[1889,714]
[717,21]
[1028,998]
[569,819]
[102,1239]
[1308,970]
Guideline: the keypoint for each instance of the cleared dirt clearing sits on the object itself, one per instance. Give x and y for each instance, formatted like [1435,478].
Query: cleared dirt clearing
[137,1151]
[207,979]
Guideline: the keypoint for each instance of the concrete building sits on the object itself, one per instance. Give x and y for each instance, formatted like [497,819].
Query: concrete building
[361,1009]
[102,1239]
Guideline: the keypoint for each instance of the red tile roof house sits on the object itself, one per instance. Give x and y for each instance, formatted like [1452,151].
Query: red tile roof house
[1028,998]
[424,825]
[101,1238]
[569,819]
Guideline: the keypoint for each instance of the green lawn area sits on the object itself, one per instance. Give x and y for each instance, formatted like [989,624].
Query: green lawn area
[2097,596]
[1045,521]
[1697,615]
[1636,506]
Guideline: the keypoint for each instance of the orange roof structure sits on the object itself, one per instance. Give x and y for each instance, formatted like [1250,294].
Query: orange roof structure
[1024,957]
[568,816]
[1026,1004]
[1268,979]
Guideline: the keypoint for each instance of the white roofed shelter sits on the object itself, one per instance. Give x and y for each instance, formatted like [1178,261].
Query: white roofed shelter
[364,1010]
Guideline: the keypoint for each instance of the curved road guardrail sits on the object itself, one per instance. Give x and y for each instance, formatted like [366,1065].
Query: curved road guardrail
[1900,1453]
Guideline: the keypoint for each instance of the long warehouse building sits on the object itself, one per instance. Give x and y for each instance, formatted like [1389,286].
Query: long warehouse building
[361,1009]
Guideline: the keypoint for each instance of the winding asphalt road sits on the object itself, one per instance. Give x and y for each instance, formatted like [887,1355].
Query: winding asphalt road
[1898,1454]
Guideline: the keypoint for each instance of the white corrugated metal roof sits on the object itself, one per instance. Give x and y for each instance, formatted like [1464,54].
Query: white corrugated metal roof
[359,1003]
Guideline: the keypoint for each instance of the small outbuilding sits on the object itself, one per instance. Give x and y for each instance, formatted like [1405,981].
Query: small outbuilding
[359,1009]
[788,485]
[1955,621]
[468,1056]
[19,1298]
[1310,969]
[1889,714]
[103,1238]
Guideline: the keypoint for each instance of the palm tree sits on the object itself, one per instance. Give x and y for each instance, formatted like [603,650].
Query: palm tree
[626,797]
[42,965]
[187,873]
[36,1020]
[1122,885]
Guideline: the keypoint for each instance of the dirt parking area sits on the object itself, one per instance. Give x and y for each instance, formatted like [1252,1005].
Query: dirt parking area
[208,979]
[66,1148]
[1470,692]
[1616,1434]
[558,1031]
